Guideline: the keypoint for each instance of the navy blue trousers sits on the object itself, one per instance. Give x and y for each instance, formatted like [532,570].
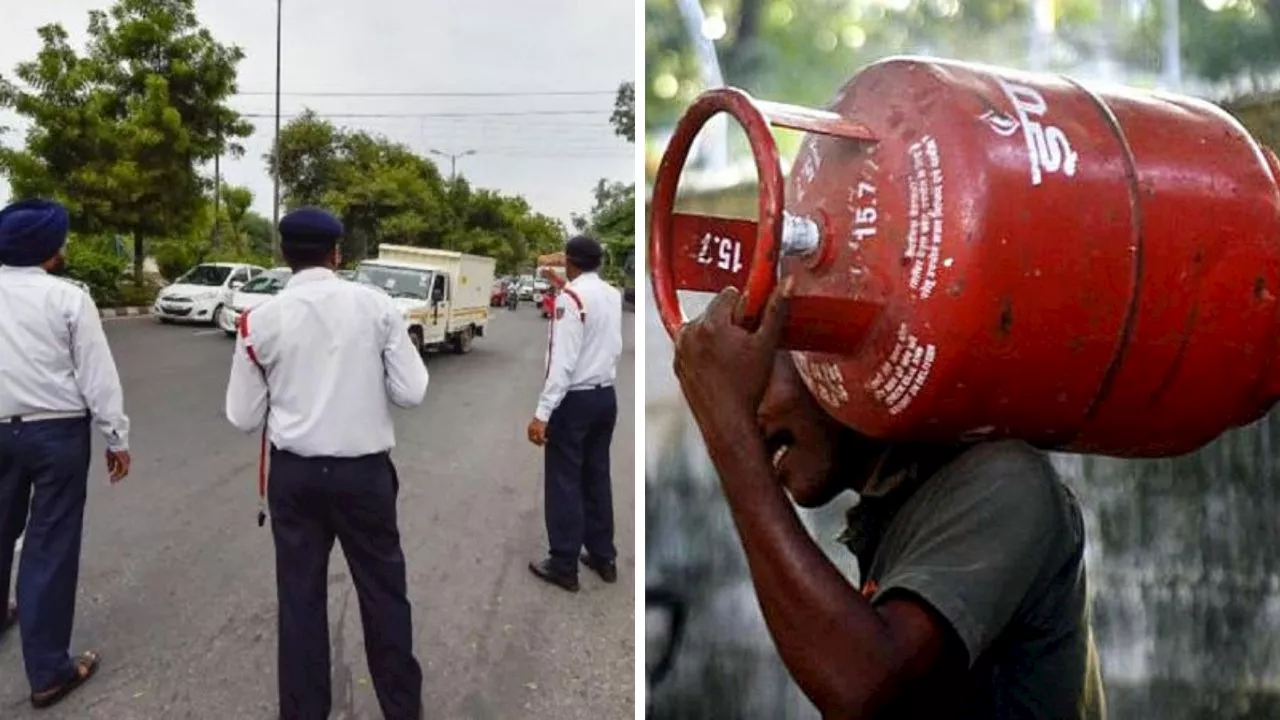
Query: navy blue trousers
[579,490]
[313,501]
[44,466]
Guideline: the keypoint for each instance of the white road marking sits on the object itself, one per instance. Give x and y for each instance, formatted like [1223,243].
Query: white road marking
[127,317]
[215,331]
[17,547]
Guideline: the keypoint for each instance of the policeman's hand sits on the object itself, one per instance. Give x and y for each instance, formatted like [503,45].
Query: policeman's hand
[723,368]
[118,464]
[537,432]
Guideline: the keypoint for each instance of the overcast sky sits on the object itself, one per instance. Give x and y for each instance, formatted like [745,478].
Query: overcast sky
[419,46]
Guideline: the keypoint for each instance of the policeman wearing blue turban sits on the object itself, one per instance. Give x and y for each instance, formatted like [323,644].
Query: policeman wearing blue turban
[328,418]
[47,410]
[32,232]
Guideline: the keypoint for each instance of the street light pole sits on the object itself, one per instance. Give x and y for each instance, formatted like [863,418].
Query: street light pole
[275,194]
[453,161]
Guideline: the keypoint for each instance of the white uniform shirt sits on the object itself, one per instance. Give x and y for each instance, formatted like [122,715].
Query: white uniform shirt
[54,356]
[585,342]
[337,355]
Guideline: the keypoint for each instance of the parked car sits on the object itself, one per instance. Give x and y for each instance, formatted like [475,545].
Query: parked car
[524,287]
[251,294]
[540,290]
[203,292]
[498,295]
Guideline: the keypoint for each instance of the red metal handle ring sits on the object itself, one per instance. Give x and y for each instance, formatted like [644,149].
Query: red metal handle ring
[763,274]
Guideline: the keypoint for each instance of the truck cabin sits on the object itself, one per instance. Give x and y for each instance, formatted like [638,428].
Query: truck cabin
[405,282]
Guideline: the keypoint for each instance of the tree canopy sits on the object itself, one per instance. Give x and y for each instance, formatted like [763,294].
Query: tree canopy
[384,192]
[119,130]
[612,218]
[802,52]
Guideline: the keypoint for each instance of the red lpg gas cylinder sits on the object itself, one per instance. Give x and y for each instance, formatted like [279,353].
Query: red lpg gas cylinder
[981,252]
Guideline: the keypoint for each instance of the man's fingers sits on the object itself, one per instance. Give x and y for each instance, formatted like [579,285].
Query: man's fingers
[722,307]
[775,314]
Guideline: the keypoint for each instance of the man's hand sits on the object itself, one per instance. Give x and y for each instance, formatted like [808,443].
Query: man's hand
[537,432]
[724,369]
[118,464]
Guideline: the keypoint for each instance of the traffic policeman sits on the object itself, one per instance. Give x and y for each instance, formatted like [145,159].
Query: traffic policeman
[321,364]
[60,381]
[575,419]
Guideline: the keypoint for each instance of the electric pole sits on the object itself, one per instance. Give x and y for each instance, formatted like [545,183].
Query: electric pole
[217,191]
[275,151]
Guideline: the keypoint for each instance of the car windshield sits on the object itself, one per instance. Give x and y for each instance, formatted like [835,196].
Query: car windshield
[396,282]
[207,275]
[268,283]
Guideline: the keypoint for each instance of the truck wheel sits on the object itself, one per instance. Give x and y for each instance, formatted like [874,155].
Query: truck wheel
[462,341]
[415,337]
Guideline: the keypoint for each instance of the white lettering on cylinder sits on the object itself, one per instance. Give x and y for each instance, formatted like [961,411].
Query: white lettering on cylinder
[1048,147]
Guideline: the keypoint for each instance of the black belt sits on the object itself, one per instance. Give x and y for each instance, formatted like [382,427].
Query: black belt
[40,416]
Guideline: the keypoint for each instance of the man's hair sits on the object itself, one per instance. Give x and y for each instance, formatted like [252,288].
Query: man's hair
[306,256]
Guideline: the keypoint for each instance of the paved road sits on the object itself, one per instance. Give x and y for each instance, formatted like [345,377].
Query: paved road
[177,582]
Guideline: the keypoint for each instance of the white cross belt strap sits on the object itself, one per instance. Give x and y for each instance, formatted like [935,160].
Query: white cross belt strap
[38,416]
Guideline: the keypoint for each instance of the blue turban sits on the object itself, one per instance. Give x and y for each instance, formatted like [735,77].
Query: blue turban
[31,232]
[309,227]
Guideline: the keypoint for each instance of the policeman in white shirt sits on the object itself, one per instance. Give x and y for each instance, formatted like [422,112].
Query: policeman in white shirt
[321,363]
[60,381]
[575,418]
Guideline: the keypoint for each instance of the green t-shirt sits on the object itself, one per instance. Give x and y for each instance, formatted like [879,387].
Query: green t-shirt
[994,542]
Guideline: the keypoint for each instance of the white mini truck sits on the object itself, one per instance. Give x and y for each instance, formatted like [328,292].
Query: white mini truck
[444,295]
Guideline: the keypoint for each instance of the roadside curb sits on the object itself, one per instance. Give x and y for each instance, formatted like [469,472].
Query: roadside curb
[124,312]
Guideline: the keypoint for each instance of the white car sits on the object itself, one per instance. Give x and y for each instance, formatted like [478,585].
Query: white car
[203,292]
[251,294]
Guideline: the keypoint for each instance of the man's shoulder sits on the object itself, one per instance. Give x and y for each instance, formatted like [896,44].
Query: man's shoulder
[1007,467]
[1000,489]
[61,293]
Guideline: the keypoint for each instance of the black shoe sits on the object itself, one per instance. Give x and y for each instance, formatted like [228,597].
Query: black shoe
[550,573]
[608,571]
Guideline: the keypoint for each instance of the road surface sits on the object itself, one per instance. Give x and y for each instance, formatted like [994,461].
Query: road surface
[177,585]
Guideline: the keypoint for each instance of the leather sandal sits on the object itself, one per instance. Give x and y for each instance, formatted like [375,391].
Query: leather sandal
[86,666]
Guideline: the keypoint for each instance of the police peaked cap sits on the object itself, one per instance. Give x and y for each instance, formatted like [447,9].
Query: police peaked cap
[310,227]
[31,232]
[584,252]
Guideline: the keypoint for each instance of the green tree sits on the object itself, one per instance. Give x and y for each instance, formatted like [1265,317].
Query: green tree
[118,132]
[624,112]
[1234,41]
[384,192]
[234,209]
[802,52]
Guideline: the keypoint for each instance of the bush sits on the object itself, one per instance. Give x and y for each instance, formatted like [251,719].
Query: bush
[138,294]
[174,257]
[95,262]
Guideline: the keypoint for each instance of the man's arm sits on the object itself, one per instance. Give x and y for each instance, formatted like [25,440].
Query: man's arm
[247,388]
[96,375]
[406,374]
[566,346]
[850,658]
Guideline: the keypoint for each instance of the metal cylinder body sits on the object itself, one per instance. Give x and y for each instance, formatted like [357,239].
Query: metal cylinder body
[1089,269]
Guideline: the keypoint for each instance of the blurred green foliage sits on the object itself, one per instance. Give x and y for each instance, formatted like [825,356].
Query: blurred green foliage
[802,51]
